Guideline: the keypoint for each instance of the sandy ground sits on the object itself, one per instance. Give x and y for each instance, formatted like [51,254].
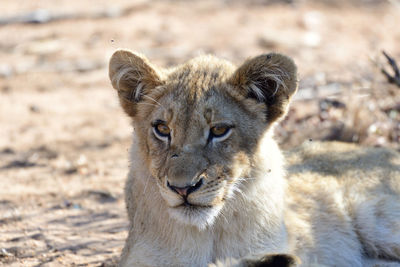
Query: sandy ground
[64,140]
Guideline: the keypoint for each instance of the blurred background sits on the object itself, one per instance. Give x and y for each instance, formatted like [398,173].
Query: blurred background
[64,138]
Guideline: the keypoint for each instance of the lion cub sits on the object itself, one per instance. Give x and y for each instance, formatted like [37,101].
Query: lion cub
[207,184]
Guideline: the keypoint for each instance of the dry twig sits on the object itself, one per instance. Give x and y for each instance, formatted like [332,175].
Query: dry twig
[396,77]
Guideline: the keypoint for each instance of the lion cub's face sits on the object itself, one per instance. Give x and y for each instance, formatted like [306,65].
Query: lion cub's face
[198,125]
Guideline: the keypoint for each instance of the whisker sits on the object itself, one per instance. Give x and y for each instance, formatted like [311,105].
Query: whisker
[237,191]
[223,216]
[245,179]
[145,185]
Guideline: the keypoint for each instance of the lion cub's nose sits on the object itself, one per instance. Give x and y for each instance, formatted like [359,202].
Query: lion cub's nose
[185,191]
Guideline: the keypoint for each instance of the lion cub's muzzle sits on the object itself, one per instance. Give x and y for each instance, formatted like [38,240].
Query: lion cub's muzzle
[186,190]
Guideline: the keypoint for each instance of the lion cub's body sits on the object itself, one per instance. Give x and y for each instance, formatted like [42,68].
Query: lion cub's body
[343,204]
[207,182]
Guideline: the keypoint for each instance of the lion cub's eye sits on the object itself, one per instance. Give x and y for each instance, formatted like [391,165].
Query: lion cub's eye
[220,132]
[161,130]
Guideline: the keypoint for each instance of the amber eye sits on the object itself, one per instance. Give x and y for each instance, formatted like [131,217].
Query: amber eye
[219,131]
[162,129]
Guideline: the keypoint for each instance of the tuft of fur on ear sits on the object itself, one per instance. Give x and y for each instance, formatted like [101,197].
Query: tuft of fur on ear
[270,79]
[133,77]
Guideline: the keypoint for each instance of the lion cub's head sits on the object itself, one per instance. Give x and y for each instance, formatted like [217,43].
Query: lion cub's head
[198,125]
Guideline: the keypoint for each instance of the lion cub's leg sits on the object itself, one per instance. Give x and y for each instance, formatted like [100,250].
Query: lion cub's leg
[269,260]
[378,226]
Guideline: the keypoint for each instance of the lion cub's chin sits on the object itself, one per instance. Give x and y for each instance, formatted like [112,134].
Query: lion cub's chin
[200,217]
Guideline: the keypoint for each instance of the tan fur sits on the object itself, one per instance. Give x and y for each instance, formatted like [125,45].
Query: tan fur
[341,195]
[341,207]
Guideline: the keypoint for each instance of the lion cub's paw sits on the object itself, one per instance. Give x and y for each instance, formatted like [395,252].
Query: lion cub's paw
[269,260]
[273,260]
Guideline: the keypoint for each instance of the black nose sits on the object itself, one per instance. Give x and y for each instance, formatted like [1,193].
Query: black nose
[185,191]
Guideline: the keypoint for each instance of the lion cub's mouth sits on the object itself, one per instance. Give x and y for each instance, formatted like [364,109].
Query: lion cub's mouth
[187,204]
[196,204]
[189,211]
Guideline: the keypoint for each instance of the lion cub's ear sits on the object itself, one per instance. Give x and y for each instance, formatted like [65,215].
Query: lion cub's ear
[133,77]
[269,78]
